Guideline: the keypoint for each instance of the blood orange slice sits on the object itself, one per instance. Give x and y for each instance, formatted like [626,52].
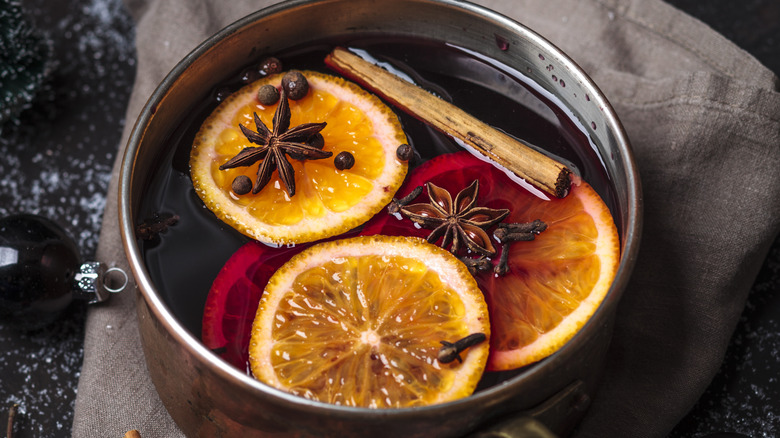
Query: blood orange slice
[555,282]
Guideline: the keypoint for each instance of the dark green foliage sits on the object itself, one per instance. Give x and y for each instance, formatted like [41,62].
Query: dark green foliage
[24,61]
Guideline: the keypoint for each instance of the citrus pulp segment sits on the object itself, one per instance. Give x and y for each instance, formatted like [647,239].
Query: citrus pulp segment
[359,322]
[328,201]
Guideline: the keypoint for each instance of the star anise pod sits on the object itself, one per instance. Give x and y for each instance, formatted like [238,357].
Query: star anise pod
[156,224]
[275,146]
[458,221]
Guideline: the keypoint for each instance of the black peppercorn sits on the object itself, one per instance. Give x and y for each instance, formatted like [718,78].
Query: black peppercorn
[270,66]
[242,185]
[296,85]
[316,141]
[268,94]
[344,160]
[404,152]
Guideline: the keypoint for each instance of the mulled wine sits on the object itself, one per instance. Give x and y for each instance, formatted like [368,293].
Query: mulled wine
[189,245]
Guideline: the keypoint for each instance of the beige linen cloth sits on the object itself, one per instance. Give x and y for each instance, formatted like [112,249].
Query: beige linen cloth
[704,120]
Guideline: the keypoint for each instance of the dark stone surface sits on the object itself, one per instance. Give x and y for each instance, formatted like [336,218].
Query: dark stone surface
[56,161]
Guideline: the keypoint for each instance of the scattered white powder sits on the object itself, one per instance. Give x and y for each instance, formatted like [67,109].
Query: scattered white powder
[56,162]
[745,395]
[39,373]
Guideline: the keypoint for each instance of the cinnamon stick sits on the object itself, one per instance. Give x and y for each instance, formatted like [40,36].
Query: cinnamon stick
[9,431]
[538,169]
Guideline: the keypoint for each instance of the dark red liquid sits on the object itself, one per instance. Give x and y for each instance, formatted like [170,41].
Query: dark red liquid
[184,261]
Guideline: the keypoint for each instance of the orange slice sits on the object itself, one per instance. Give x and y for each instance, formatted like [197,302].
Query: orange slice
[359,322]
[555,283]
[327,201]
[558,280]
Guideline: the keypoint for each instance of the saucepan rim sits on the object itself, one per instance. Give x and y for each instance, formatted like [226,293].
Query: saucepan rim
[631,231]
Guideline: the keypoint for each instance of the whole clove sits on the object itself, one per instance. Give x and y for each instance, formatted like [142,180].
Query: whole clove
[450,351]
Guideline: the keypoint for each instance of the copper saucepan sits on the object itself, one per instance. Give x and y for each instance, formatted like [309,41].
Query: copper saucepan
[208,397]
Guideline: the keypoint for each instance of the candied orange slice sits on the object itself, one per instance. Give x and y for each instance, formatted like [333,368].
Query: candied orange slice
[327,201]
[359,322]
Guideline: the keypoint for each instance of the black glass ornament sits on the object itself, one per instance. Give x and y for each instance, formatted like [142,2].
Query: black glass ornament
[41,272]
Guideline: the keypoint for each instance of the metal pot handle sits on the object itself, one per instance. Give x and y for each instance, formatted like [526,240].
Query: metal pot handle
[568,405]
[516,427]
